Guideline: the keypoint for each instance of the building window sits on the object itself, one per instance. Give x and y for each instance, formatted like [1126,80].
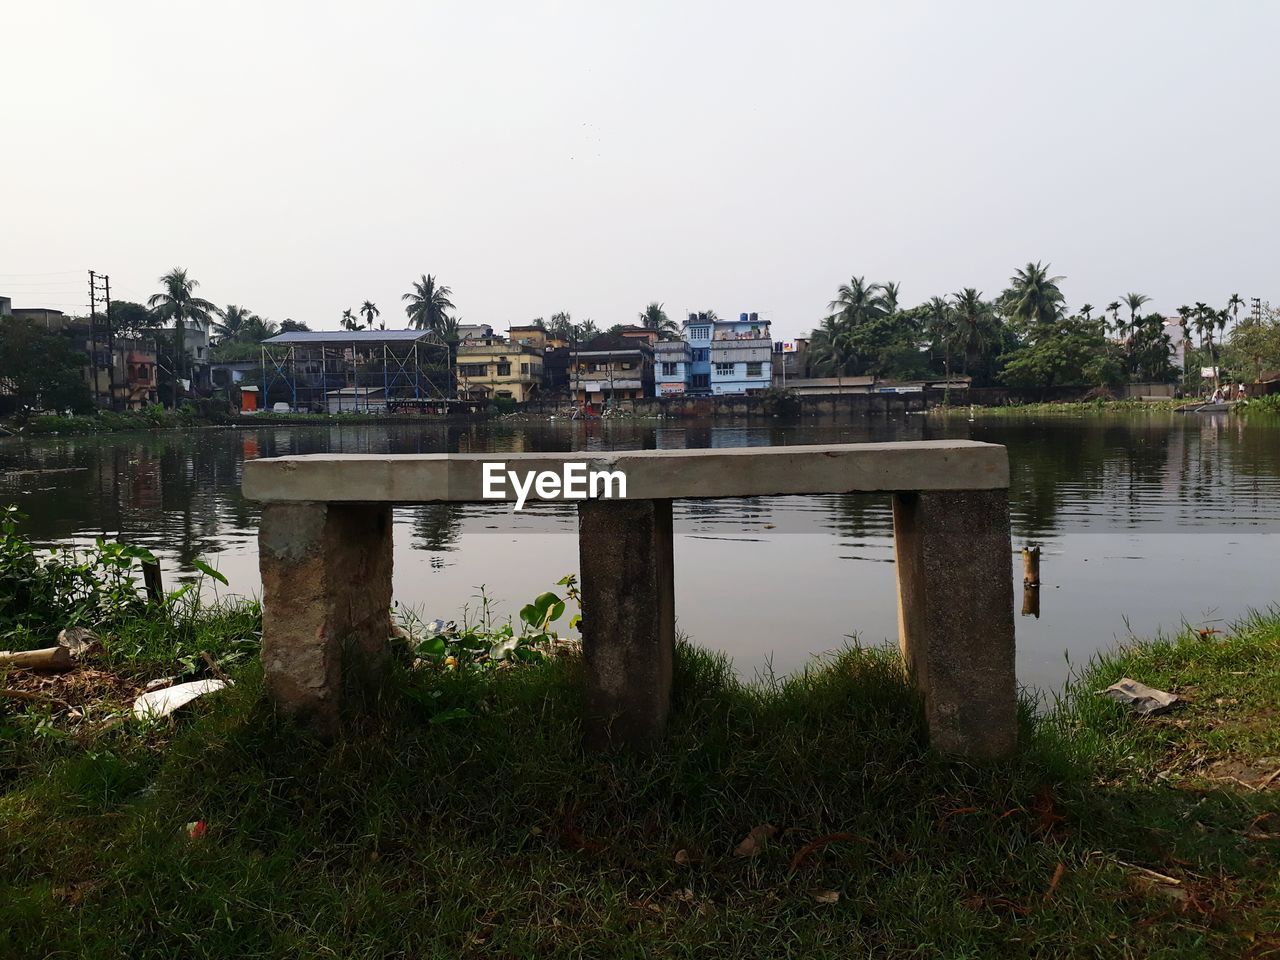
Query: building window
[504,369]
[669,369]
[699,333]
[473,369]
[701,355]
[700,381]
[724,369]
[524,369]
[627,364]
[755,369]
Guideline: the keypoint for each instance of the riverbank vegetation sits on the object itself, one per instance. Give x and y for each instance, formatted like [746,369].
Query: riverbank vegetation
[798,816]
[1027,337]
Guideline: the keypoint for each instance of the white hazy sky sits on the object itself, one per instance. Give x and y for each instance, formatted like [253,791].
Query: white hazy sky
[299,158]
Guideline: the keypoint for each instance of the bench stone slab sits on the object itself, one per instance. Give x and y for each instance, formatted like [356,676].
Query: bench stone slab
[326,560]
[651,474]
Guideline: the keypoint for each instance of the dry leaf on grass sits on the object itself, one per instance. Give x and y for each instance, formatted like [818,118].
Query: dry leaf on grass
[754,841]
[826,896]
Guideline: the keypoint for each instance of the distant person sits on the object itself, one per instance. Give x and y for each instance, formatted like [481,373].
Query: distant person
[1240,391]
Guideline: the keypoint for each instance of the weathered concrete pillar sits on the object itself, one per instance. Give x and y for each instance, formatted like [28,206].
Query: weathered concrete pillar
[955,616]
[326,601]
[628,620]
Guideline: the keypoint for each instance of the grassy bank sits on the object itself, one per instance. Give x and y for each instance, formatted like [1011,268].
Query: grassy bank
[108,422]
[464,821]
[1079,408]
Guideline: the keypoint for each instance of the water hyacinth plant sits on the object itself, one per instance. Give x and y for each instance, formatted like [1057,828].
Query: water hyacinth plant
[482,641]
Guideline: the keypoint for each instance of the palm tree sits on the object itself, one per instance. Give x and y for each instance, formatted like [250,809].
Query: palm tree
[653,317]
[1034,296]
[561,326]
[232,324]
[179,304]
[973,316]
[349,321]
[857,302]
[1184,323]
[942,327]
[1207,320]
[1234,303]
[369,310]
[1134,302]
[586,330]
[449,334]
[429,304]
[256,329]
[889,296]
[832,347]
[1113,308]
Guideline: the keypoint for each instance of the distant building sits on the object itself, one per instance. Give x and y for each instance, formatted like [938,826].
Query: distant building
[670,368]
[52,320]
[356,399]
[643,334]
[136,383]
[532,335]
[610,369]
[741,356]
[555,356]
[718,357]
[790,360]
[476,331]
[6,307]
[196,335]
[697,333]
[1179,346]
[491,368]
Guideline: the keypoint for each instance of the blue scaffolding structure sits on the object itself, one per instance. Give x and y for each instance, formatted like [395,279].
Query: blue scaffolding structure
[313,367]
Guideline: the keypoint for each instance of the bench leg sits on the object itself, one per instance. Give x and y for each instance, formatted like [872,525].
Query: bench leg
[628,620]
[955,616]
[326,601]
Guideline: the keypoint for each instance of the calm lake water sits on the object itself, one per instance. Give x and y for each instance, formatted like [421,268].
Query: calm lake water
[1146,522]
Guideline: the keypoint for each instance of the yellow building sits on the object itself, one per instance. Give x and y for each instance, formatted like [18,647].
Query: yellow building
[492,368]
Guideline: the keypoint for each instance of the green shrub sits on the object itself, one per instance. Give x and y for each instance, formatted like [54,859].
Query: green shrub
[39,596]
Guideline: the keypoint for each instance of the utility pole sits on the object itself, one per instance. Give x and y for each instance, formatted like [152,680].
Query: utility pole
[111,341]
[93,333]
[101,336]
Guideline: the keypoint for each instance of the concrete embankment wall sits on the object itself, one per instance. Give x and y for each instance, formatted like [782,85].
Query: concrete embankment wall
[834,406]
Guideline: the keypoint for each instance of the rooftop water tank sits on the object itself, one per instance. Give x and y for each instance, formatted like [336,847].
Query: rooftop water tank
[742,318]
[693,318]
[755,318]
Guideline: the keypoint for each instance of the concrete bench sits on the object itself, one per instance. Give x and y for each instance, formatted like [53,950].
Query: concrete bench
[325,555]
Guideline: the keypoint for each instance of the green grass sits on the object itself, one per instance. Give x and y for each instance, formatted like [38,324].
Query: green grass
[493,835]
[1075,408]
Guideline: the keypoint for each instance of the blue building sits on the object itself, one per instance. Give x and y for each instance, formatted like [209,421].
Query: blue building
[715,358]
[697,334]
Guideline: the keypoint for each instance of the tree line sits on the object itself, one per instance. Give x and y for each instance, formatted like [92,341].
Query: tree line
[1023,337]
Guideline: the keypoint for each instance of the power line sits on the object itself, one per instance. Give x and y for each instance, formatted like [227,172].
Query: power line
[50,273]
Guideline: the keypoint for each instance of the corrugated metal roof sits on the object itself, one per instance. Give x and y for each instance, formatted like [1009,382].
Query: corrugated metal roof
[351,336]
